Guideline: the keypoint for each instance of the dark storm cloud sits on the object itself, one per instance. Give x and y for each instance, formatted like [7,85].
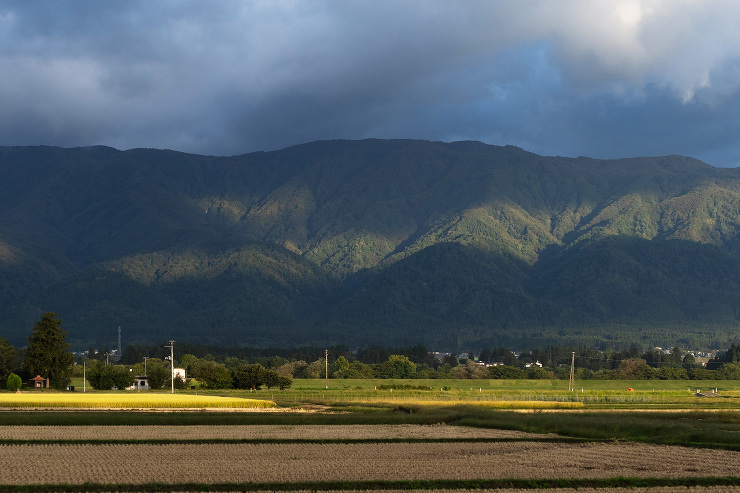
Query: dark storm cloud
[573,77]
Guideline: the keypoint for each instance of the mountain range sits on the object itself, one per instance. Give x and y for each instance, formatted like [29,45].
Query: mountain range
[392,242]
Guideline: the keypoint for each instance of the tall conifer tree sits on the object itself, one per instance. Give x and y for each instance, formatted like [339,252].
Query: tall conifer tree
[48,352]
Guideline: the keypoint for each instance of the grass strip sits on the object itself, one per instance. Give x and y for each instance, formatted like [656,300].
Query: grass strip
[471,484]
[695,429]
[215,418]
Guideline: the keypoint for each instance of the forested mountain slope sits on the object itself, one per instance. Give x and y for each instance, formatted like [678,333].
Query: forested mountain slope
[357,242]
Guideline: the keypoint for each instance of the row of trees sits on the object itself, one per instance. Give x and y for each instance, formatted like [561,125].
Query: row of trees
[374,360]
[209,374]
[48,355]
[215,372]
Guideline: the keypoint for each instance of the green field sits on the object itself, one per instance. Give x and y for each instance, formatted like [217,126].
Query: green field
[592,394]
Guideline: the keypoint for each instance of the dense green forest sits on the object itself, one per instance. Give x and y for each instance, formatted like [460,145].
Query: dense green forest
[459,245]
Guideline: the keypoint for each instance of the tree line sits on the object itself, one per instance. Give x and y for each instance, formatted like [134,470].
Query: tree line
[552,362]
[48,355]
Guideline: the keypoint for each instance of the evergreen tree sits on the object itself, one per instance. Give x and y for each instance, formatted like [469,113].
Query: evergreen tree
[48,352]
[8,357]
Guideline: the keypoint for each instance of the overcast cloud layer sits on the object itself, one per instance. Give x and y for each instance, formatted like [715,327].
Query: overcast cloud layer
[611,78]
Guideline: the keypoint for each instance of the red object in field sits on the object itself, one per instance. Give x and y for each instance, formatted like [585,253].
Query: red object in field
[631,389]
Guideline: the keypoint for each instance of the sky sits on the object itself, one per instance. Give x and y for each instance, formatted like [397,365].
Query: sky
[598,78]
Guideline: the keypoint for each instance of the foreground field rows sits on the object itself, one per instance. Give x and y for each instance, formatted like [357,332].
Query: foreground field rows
[259,432]
[295,463]
[662,489]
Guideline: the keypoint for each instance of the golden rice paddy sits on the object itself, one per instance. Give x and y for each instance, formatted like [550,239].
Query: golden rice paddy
[126,401]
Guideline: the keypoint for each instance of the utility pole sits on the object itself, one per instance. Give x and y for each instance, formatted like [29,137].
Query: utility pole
[145,358]
[326,370]
[171,345]
[84,375]
[572,381]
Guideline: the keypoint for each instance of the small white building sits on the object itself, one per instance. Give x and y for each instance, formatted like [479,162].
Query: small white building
[141,383]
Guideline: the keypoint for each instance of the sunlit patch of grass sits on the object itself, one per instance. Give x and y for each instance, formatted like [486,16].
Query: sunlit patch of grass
[411,402]
[126,401]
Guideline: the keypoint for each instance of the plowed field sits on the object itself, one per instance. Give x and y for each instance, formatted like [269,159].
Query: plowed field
[293,463]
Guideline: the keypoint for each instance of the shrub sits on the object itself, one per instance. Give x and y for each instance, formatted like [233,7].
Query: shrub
[506,372]
[14,382]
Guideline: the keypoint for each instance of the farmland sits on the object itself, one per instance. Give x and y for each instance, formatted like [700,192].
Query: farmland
[379,435]
[364,462]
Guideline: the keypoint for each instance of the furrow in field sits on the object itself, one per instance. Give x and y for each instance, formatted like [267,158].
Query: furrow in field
[292,463]
[660,489]
[258,432]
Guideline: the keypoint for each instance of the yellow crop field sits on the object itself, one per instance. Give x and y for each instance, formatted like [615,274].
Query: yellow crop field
[126,401]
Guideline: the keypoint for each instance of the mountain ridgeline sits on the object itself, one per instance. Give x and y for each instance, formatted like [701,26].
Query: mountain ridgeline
[453,245]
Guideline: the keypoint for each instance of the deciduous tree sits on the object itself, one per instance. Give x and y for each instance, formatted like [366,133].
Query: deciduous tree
[211,375]
[104,377]
[249,376]
[158,373]
[397,366]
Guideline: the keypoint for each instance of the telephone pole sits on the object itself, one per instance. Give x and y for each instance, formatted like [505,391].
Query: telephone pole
[326,370]
[572,381]
[171,345]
